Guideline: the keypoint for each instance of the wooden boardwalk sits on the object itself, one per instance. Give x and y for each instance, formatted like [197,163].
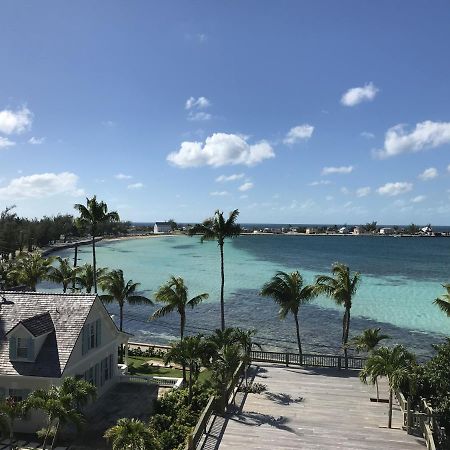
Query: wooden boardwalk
[308,409]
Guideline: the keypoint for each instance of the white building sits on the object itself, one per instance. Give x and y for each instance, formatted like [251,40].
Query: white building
[46,337]
[357,230]
[162,227]
[343,230]
[387,230]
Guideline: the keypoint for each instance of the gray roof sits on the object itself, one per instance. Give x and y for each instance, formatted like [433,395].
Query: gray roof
[62,314]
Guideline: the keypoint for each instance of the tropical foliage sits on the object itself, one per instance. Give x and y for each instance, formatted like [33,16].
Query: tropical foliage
[368,340]
[64,274]
[216,228]
[85,278]
[131,434]
[29,270]
[443,302]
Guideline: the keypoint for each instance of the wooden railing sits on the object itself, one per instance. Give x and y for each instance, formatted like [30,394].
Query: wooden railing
[309,360]
[174,383]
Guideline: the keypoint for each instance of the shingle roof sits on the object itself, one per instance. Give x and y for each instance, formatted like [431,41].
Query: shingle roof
[66,313]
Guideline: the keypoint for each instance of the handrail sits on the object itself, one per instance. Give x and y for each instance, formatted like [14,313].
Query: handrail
[160,381]
[200,428]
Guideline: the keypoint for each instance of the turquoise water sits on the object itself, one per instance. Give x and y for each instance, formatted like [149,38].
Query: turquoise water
[400,279]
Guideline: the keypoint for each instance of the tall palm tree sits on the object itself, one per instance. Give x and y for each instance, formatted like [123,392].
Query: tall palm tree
[86,276]
[367,342]
[31,269]
[288,292]
[131,434]
[92,215]
[394,363]
[216,228]
[444,300]
[65,274]
[341,288]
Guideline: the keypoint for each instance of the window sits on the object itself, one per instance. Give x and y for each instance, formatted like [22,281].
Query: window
[19,394]
[91,336]
[22,348]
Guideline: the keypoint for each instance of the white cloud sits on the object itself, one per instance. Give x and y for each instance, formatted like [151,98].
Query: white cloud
[109,123]
[429,174]
[121,176]
[320,183]
[135,186]
[199,115]
[341,170]
[345,191]
[243,196]
[418,199]
[329,198]
[36,141]
[234,177]
[299,133]
[363,192]
[393,189]
[367,135]
[246,186]
[15,121]
[218,193]
[41,185]
[197,103]
[425,135]
[359,94]
[221,149]
[5,142]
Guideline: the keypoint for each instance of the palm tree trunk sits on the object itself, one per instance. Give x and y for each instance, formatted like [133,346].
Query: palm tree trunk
[191,368]
[222,303]
[390,408]
[75,262]
[55,435]
[182,325]
[121,329]
[299,342]
[94,263]
[346,330]
[49,427]
[378,391]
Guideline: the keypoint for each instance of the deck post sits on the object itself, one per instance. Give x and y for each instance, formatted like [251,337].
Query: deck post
[287,359]
[339,363]
[408,415]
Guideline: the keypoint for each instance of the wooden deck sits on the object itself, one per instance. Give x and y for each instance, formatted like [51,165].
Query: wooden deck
[308,409]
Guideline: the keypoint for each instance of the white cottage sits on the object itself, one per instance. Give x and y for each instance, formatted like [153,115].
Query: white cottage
[162,227]
[46,337]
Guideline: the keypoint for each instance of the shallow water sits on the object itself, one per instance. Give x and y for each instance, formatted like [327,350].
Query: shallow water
[400,279]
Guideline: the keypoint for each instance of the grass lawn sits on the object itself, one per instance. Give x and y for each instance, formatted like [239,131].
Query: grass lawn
[161,371]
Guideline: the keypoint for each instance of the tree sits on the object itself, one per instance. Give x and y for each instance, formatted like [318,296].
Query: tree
[91,216]
[244,338]
[394,363]
[175,296]
[216,228]
[341,289]
[62,404]
[131,434]
[30,269]
[367,341]
[287,290]
[86,276]
[10,411]
[443,302]
[65,274]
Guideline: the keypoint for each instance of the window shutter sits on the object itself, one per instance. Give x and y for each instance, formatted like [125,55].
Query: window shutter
[30,348]
[102,372]
[98,332]
[12,347]
[96,375]
[84,339]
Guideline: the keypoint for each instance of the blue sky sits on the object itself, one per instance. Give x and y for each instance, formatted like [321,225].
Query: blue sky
[300,112]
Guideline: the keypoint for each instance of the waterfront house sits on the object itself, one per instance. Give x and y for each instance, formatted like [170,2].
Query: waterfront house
[357,230]
[311,231]
[343,230]
[47,337]
[387,230]
[162,227]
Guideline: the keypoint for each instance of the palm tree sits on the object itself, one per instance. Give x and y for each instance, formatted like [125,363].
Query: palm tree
[221,338]
[86,276]
[367,341]
[244,338]
[65,274]
[62,404]
[444,300]
[131,434]
[288,292]
[31,269]
[216,228]
[341,288]
[394,363]
[91,215]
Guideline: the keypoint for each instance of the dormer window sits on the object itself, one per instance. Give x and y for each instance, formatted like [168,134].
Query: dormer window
[22,348]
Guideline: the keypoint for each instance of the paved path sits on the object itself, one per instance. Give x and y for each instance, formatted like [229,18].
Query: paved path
[308,409]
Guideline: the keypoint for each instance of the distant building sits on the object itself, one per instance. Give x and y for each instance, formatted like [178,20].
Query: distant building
[311,231]
[387,230]
[162,227]
[357,230]
[427,229]
[343,230]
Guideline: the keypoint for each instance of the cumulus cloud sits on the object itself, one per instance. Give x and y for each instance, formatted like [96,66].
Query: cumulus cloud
[363,192]
[418,199]
[246,186]
[429,174]
[320,183]
[5,142]
[36,141]
[424,136]
[367,135]
[41,185]
[199,115]
[299,133]
[135,186]
[197,103]
[221,149]
[15,122]
[357,95]
[122,176]
[218,193]
[341,170]
[393,189]
[234,177]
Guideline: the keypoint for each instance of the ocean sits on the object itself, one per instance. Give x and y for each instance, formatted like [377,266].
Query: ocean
[400,279]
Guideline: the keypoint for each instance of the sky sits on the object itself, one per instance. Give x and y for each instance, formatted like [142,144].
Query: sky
[291,111]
